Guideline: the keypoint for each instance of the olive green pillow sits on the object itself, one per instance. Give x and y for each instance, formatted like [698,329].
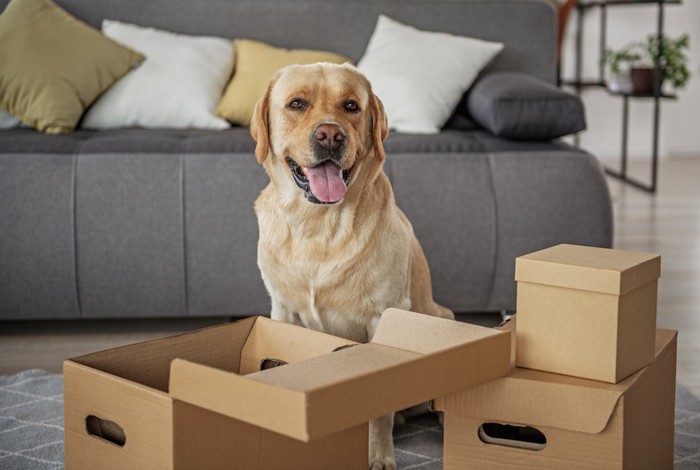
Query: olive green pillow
[53,65]
[256,64]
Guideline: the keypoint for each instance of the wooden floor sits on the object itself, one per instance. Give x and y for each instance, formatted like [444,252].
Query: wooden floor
[667,223]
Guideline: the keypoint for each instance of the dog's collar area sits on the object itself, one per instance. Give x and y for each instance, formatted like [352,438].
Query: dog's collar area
[303,182]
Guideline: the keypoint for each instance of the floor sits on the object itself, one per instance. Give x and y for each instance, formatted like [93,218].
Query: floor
[667,223]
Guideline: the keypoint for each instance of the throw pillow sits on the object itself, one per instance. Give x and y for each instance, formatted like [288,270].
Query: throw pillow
[53,65]
[256,64]
[177,87]
[420,76]
[519,106]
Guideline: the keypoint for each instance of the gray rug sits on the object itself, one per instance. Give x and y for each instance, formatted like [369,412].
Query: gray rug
[31,428]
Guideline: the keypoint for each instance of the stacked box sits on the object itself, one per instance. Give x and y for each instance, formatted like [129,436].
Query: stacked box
[535,419]
[586,312]
[594,386]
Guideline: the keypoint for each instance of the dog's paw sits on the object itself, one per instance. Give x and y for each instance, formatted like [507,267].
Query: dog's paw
[382,463]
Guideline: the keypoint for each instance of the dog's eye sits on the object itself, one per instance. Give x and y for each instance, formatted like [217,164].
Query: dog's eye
[351,106]
[297,103]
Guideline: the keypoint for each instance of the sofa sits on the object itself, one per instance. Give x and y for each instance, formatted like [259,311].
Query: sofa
[137,223]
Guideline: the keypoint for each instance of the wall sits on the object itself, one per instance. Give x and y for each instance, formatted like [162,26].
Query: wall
[680,119]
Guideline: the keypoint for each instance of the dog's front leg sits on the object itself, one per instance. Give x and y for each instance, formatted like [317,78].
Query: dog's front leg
[381,443]
[281,313]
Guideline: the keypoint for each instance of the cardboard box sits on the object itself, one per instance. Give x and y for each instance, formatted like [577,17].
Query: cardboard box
[213,405]
[534,419]
[586,312]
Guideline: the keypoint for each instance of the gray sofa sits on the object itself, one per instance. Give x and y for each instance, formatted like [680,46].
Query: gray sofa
[138,223]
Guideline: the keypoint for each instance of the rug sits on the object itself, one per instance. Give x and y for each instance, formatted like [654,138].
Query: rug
[31,428]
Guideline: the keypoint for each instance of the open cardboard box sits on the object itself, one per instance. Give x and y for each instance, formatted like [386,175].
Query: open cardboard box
[586,312]
[534,419]
[214,407]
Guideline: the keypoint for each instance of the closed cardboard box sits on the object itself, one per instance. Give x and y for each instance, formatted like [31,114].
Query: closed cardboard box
[535,419]
[586,312]
[202,399]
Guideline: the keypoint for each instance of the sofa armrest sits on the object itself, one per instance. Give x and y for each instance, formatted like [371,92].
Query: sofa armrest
[519,106]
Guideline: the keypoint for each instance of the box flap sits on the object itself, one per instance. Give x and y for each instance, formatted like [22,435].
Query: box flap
[271,339]
[234,395]
[148,363]
[325,394]
[423,334]
[541,399]
[588,268]
[535,398]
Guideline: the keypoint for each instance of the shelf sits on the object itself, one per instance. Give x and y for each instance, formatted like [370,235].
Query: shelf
[665,96]
[580,83]
[584,83]
[599,84]
[584,4]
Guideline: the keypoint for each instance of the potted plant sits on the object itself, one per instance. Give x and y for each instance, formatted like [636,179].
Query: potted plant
[620,62]
[641,60]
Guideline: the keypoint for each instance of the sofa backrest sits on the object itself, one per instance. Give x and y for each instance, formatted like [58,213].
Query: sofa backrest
[526,27]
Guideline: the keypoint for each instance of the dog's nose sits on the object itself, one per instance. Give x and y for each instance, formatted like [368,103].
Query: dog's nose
[330,136]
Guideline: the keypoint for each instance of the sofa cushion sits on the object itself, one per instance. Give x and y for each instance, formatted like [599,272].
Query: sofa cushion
[520,106]
[134,140]
[177,87]
[420,76]
[256,64]
[53,65]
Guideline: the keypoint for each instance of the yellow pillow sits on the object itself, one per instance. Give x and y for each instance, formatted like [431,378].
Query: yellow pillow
[256,64]
[53,66]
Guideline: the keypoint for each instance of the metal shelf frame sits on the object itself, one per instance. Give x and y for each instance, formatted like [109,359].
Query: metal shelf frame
[579,84]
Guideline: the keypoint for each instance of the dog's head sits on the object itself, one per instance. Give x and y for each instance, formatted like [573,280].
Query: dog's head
[317,128]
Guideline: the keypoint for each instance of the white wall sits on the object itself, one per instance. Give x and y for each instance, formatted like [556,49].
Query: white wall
[680,119]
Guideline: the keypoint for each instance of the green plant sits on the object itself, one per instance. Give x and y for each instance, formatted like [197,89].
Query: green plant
[632,53]
[672,61]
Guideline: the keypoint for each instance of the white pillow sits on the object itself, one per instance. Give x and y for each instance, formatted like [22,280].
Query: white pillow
[7,120]
[420,76]
[177,86]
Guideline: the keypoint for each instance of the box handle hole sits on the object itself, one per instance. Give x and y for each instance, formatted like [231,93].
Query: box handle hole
[509,435]
[106,430]
[270,363]
[345,346]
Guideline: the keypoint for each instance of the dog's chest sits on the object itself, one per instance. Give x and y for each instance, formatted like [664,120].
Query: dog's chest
[322,278]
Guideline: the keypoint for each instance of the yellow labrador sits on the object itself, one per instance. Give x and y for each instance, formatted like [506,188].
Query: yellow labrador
[334,250]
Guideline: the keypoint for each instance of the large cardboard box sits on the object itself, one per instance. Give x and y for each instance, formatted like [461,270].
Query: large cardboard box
[535,419]
[201,400]
[586,312]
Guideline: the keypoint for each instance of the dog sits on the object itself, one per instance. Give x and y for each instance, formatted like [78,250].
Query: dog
[334,250]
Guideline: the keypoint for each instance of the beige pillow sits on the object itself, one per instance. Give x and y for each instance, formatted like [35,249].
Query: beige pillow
[256,64]
[53,65]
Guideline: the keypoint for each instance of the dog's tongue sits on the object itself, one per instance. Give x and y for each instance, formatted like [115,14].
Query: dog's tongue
[326,181]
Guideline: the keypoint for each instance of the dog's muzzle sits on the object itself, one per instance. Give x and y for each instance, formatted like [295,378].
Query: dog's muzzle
[324,183]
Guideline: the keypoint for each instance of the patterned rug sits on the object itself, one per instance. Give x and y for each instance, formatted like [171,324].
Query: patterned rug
[31,428]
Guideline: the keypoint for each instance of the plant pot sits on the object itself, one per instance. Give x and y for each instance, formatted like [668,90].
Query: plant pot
[643,80]
[620,82]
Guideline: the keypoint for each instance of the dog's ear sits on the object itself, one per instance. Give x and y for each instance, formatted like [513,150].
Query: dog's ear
[380,126]
[259,128]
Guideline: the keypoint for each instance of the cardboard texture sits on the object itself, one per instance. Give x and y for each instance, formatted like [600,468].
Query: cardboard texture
[586,312]
[201,400]
[328,393]
[584,424]
[129,386]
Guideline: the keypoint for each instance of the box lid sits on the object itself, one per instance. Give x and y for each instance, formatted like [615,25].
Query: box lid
[534,398]
[412,358]
[588,268]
